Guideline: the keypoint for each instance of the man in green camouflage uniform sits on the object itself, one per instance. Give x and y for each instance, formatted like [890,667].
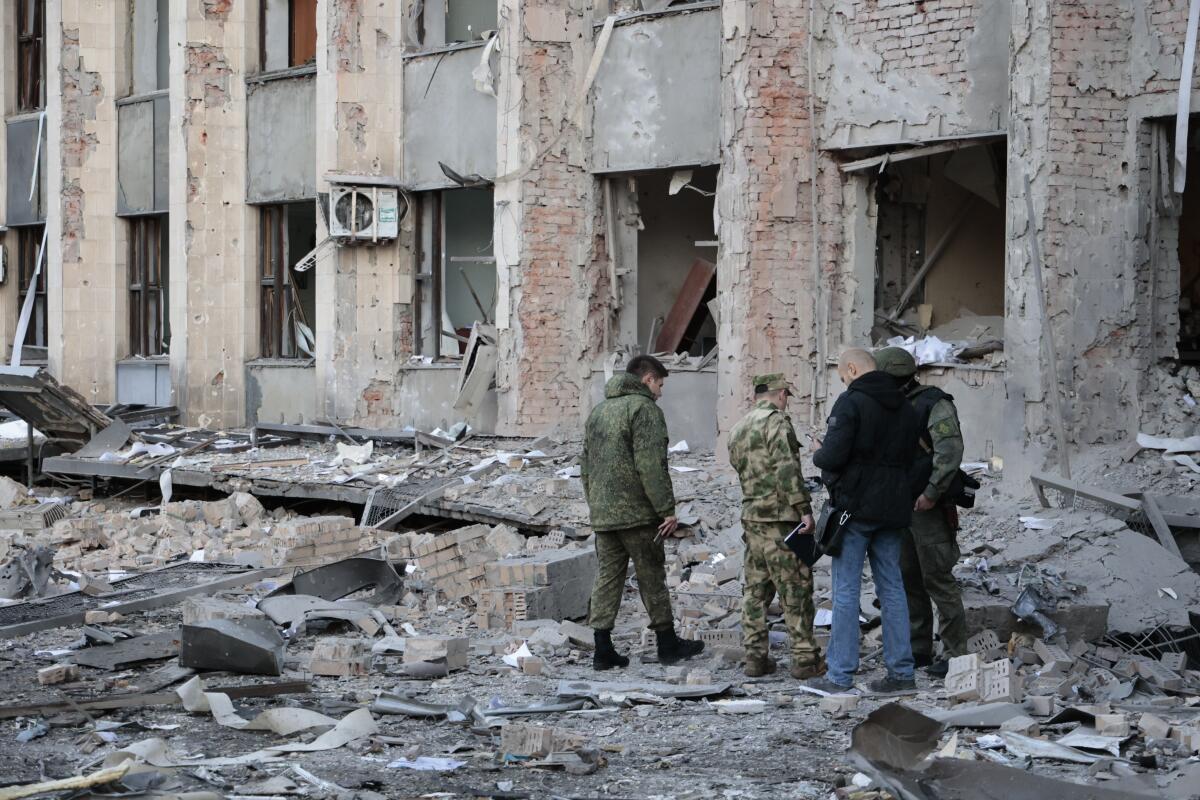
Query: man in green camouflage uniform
[931,549]
[766,455]
[632,507]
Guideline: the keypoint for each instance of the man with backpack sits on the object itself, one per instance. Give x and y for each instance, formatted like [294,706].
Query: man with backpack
[930,548]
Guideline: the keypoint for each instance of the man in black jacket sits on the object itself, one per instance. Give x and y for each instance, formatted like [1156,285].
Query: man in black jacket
[866,460]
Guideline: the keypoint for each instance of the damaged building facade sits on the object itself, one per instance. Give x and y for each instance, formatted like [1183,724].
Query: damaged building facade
[426,211]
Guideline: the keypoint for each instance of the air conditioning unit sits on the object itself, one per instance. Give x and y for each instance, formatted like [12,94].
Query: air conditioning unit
[364,213]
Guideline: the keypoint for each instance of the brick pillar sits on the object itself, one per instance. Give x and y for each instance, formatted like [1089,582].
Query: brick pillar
[768,318]
[213,232]
[550,311]
[359,100]
[87,296]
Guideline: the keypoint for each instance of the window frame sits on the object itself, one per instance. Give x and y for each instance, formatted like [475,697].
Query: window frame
[274,296]
[147,330]
[29,239]
[31,56]
[292,38]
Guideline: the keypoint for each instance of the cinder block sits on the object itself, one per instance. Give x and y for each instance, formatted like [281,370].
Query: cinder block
[452,650]
[1054,658]
[839,704]
[57,673]
[340,657]
[1153,727]
[1176,662]
[536,741]
[1155,673]
[1112,725]
[963,677]
[1040,705]
[1000,682]
[983,641]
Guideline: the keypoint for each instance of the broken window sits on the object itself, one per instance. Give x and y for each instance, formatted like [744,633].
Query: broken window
[436,23]
[287,33]
[665,254]
[149,285]
[287,232]
[1189,249]
[148,33]
[31,55]
[939,244]
[29,240]
[456,286]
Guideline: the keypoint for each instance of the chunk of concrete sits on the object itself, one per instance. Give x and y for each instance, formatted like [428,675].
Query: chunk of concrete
[250,646]
[340,657]
[839,704]
[1153,727]
[205,609]
[57,673]
[1112,725]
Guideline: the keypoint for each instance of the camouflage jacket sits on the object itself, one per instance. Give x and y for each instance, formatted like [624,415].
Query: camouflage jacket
[764,451]
[947,443]
[624,463]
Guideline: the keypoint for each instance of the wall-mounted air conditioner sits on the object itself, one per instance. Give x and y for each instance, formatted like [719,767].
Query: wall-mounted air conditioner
[365,213]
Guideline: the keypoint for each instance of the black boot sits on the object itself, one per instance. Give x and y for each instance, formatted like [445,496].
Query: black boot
[671,648]
[606,656]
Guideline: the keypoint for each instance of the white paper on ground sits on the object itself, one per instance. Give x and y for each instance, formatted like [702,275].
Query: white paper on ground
[1191,444]
[823,618]
[1037,523]
[514,659]
[355,454]
[283,721]
[685,469]
[679,447]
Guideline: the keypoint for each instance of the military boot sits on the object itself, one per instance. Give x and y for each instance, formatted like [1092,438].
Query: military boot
[606,656]
[757,666]
[671,648]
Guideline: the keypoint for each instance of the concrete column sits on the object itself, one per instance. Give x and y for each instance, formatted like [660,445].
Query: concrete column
[8,103]
[88,324]
[360,319]
[214,292]
[551,313]
[765,273]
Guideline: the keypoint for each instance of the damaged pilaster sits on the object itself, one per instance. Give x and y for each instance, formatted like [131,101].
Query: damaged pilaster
[547,218]
[362,314]
[765,267]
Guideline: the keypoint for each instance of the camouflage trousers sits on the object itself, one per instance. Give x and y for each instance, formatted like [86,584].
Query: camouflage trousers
[614,551]
[927,557]
[769,568]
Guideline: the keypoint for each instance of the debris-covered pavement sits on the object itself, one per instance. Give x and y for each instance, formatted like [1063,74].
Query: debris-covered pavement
[235,645]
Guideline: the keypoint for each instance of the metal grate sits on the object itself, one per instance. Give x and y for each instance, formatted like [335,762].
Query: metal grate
[1136,520]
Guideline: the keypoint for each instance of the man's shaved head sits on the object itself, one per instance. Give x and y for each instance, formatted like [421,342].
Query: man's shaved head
[863,361]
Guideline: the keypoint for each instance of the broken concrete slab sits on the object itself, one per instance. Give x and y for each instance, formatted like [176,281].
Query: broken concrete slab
[341,578]
[596,690]
[153,647]
[250,646]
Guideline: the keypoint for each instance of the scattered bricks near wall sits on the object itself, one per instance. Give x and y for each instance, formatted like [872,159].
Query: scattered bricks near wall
[58,673]
[518,739]
[206,609]
[449,650]
[1188,737]
[1158,675]
[963,677]
[1153,727]
[1176,662]
[1125,667]
[505,606]
[1112,725]
[551,541]
[340,657]
[719,637]
[1111,655]
[97,617]
[565,575]
[1040,705]
[839,705]
[1053,657]
[1000,682]
[984,641]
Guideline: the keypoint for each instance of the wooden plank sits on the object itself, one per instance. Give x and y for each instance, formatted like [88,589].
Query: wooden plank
[690,296]
[1161,529]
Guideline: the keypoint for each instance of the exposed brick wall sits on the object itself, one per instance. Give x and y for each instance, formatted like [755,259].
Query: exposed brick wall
[765,275]
[929,35]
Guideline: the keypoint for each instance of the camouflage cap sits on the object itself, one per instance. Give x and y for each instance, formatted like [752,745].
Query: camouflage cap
[772,381]
[896,361]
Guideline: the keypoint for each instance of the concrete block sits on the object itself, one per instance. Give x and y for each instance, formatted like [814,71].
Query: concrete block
[1155,673]
[519,739]
[1053,657]
[340,657]
[57,673]
[580,635]
[1176,662]
[1021,724]
[205,609]
[1153,727]
[963,677]
[839,704]
[532,665]
[1112,725]
[251,645]
[1040,705]
[983,641]
[1000,682]
[448,649]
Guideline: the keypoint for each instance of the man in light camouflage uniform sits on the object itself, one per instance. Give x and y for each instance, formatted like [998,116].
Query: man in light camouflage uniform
[632,506]
[764,451]
[930,551]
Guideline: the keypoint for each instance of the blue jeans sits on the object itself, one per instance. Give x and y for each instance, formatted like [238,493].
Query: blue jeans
[883,548]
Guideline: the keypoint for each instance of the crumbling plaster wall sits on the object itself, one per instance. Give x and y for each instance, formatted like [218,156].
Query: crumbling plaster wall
[363,312]
[908,71]
[765,273]
[552,312]
[86,287]
[213,233]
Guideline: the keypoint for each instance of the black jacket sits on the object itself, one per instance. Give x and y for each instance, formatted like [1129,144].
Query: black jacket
[868,451]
